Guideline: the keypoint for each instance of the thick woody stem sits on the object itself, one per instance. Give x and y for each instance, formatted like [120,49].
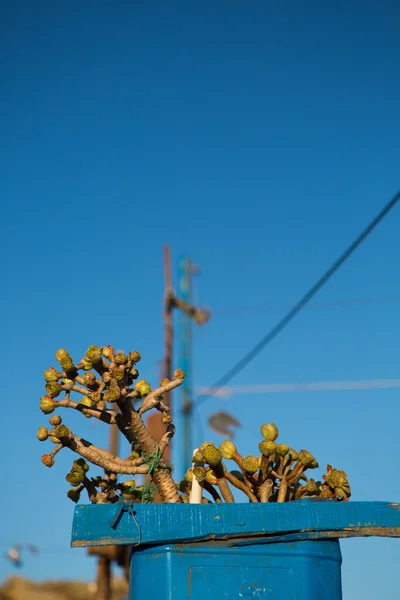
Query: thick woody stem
[130,462]
[135,428]
[97,457]
[153,398]
[166,438]
[240,486]
[91,490]
[107,416]
[265,489]
[212,491]
[283,486]
[296,473]
[223,484]
[238,458]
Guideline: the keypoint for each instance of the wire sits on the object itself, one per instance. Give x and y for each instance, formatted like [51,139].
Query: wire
[243,362]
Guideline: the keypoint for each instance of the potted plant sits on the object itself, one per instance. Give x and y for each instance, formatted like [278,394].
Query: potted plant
[281,542]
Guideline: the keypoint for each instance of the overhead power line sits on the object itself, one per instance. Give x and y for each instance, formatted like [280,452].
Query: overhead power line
[247,358]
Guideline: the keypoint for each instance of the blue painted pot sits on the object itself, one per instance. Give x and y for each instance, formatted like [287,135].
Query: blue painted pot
[307,570]
[287,551]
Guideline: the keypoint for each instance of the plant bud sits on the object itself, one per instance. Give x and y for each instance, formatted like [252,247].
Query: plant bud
[200,473]
[311,486]
[143,388]
[101,405]
[76,476]
[118,373]
[267,448]
[61,432]
[81,462]
[106,377]
[134,373]
[89,379]
[73,495]
[86,364]
[86,401]
[339,493]
[47,405]
[108,352]
[120,358]
[167,420]
[293,454]
[250,464]
[307,459]
[282,449]
[67,364]
[61,353]
[210,477]
[326,493]
[134,356]
[212,455]
[93,354]
[185,499]
[184,486]
[130,483]
[198,457]
[228,449]
[269,431]
[134,454]
[337,478]
[53,389]
[179,374]
[164,381]
[42,434]
[47,460]
[188,476]
[56,420]
[50,375]
[112,394]
[204,445]
[55,439]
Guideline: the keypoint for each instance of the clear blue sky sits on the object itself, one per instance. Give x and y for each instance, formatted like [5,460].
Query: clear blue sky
[259,138]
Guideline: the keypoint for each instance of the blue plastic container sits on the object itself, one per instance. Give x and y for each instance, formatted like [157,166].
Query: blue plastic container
[286,551]
[309,570]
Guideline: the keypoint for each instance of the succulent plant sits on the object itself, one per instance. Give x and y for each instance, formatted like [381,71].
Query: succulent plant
[104,376]
[42,434]
[269,431]
[278,474]
[143,388]
[228,449]
[274,476]
[47,405]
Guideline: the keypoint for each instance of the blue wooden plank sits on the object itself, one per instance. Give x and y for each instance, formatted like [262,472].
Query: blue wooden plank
[165,523]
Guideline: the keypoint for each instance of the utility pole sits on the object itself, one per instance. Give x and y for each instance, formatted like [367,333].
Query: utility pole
[154,423]
[183,303]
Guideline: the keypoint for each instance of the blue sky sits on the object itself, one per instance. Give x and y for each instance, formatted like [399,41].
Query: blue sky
[259,138]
